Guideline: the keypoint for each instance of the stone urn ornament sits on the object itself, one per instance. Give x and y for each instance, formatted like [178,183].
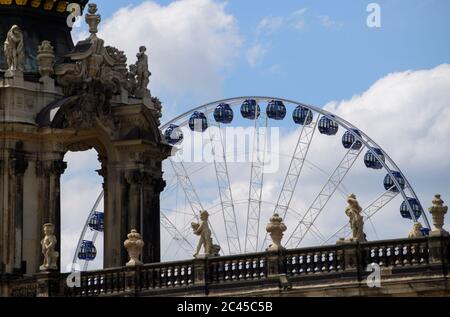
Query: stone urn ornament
[48,249]
[438,211]
[276,229]
[46,60]
[134,246]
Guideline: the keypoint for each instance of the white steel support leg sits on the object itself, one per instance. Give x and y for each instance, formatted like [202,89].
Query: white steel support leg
[256,186]
[176,235]
[324,196]
[294,171]
[225,193]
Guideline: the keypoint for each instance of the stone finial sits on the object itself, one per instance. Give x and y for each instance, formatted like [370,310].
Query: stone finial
[93,19]
[14,52]
[416,231]
[353,212]
[134,246]
[46,60]
[438,211]
[276,229]
[48,248]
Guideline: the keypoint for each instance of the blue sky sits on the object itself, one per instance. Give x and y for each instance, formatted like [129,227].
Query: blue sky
[392,82]
[317,64]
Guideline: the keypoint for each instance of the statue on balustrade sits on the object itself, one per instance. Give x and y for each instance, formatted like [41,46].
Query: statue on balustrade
[353,211]
[202,229]
[14,50]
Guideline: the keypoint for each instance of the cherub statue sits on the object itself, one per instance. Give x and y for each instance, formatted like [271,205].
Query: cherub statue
[416,231]
[353,211]
[48,248]
[202,229]
[14,49]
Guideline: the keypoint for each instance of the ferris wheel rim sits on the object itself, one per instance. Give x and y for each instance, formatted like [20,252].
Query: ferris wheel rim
[363,137]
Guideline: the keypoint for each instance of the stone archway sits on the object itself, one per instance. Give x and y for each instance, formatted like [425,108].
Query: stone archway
[91,101]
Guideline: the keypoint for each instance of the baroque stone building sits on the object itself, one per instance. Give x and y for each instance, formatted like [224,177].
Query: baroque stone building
[57,97]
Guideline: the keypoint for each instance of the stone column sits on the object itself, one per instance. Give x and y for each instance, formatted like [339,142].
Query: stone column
[2,210]
[18,164]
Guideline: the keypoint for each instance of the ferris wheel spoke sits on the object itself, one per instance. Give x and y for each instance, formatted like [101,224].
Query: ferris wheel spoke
[176,235]
[189,191]
[225,192]
[294,171]
[368,212]
[84,232]
[324,196]
[256,186]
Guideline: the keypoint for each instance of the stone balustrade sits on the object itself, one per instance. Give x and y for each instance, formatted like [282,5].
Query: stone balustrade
[289,272]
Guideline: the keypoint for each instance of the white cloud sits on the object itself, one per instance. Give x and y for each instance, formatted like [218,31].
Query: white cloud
[269,25]
[408,113]
[190,42]
[328,23]
[256,54]
[297,19]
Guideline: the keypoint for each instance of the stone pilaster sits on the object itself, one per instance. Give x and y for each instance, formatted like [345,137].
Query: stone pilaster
[18,164]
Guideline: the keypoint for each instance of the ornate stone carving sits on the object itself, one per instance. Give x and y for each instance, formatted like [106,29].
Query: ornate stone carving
[438,211]
[14,51]
[46,60]
[202,229]
[353,211]
[276,229]
[59,167]
[134,246]
[48,249]
[93,76]
[416,231]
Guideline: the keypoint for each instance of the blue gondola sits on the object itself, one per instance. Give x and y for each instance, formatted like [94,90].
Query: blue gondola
[223,113]
[276,110]
[87,252]
[97,221]
[173,134]
[389,183]
[417,210]
[302,115]
[371,161]
[328,126]
[198,122]
[350,141]
[250,109]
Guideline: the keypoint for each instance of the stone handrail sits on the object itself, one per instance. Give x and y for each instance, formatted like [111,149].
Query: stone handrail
[253,273]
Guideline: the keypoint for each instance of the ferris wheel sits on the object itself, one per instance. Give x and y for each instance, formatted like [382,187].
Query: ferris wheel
[245,159]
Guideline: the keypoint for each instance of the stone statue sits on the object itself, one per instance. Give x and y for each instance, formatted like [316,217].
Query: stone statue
[142,73]
[48,248]
[416,231]
[438,211]
[276,228]
[134,246]
[353,211]
[202,229]
[14,50]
